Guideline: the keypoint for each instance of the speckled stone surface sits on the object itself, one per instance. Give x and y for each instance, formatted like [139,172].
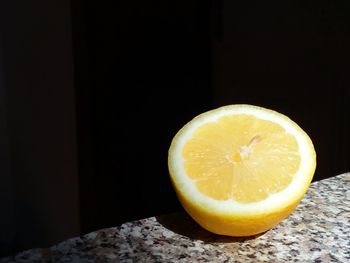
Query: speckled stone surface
[317,231]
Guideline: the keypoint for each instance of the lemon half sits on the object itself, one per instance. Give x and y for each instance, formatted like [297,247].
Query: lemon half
[240,169]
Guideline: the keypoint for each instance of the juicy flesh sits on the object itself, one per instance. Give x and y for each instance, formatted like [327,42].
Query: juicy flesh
[241,157]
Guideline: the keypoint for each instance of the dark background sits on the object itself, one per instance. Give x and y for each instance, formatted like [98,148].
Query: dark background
[91,94]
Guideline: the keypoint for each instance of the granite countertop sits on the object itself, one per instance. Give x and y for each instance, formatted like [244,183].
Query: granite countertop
[317,231]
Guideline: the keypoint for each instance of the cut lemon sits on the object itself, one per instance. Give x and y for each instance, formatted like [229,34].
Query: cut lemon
[240,169]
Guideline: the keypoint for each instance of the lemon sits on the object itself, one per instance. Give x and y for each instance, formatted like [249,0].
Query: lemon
[239,170]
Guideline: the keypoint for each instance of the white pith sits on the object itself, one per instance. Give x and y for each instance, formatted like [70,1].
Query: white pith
[275,201]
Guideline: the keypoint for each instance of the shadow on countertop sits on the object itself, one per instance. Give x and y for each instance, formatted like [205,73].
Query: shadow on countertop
[182,224]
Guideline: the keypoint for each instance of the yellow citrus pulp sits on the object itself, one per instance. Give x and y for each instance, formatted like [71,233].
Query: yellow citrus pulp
[240,169]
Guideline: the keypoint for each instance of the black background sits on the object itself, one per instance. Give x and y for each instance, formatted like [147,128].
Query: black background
[93,92]
[155,66]
[150,71]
